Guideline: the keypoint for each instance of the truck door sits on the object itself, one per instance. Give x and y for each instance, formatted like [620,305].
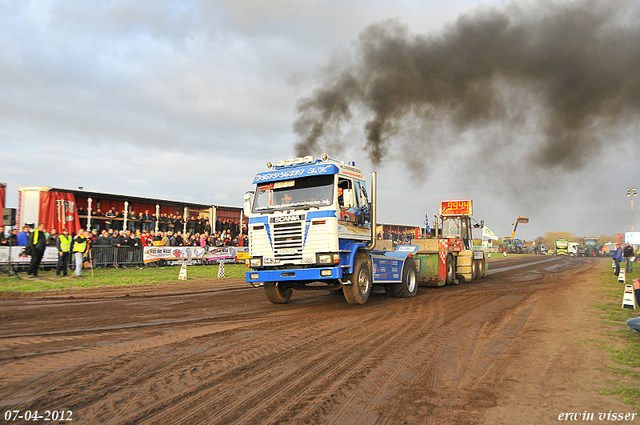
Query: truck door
[357,212]
[363,213]
[466,232]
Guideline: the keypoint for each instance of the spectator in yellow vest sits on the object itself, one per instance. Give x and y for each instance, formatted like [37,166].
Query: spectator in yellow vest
[64,252]
[79,248]
[37,244]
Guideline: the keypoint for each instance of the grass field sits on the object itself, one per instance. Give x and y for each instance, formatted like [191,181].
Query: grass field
[48,281]
[621,342]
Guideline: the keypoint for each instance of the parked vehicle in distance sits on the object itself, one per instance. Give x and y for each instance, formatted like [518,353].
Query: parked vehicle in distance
[562,247]
[607,249]
[572,249]
[592,248]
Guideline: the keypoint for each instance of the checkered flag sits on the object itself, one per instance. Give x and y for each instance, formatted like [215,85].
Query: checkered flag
[221,269]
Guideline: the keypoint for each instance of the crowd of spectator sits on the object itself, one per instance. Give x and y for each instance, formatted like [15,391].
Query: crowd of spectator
[146,221]
[16,237]
[132,240]
[143,238]
[171,229]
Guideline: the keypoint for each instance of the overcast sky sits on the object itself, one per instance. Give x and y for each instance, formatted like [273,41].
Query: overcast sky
[187,100]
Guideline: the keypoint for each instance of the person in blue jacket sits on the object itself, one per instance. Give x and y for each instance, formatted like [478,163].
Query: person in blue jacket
[23,237]
[617,257]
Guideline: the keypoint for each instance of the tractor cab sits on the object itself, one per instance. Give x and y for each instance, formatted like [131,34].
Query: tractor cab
[457,223]
[458,227]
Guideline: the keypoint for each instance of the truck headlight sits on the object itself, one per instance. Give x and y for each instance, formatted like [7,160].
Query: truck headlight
[328,258]
[255,262]
[323,259]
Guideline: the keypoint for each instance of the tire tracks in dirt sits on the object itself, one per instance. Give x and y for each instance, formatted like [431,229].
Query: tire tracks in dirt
[426,359]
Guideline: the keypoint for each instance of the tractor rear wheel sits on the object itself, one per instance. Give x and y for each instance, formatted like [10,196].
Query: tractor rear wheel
[475,270]
[451,271]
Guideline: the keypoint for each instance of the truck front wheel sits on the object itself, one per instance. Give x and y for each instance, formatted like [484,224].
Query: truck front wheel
[409,286]
[277,293]
[358,291]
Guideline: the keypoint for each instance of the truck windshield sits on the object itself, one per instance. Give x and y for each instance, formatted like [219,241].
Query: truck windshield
[314,191]
[451,227]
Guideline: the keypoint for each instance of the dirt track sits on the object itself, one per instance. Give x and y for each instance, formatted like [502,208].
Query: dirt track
[504,350]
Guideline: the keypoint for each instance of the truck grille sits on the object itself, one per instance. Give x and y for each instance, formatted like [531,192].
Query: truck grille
[287,240]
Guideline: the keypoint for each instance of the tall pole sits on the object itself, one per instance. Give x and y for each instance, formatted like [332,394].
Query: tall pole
[631,193]
[126,215]
[89,201]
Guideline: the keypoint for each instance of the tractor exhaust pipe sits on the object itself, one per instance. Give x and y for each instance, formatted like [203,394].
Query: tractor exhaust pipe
[374,209]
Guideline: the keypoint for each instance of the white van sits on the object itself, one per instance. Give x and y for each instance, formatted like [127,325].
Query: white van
[572,249]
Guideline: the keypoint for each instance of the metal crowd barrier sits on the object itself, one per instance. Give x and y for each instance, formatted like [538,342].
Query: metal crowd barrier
[111,256]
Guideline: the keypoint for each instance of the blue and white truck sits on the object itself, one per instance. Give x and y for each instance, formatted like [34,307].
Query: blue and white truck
[312,226]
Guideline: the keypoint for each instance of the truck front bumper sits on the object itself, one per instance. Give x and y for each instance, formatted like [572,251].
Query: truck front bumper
[308,275]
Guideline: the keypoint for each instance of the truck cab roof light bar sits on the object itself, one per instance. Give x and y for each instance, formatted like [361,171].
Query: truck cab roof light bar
[309,159]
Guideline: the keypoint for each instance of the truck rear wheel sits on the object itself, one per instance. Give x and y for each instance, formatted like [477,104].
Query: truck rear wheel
[451,271]
[277,293]
[409,286]
[360,288]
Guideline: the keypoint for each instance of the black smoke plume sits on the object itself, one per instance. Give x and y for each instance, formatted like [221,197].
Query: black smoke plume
[579,63]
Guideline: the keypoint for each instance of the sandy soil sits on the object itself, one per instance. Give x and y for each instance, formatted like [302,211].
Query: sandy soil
[506,350]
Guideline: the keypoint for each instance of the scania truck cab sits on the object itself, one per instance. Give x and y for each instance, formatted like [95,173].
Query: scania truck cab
[311,226]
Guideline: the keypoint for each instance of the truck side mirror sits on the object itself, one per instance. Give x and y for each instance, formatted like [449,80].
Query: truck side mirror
[247,203]
[347,198]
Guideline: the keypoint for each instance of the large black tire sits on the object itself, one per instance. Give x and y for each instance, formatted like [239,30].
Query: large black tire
[358,291]
[475,269]
[277,293]
[451,270]
[409,286]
